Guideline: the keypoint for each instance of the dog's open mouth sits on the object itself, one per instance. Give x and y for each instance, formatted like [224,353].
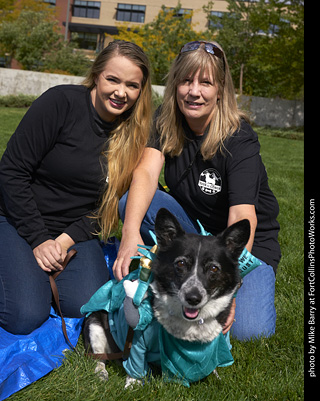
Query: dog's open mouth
[190,313]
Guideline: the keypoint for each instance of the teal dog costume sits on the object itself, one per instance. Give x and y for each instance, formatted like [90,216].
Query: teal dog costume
[128,303]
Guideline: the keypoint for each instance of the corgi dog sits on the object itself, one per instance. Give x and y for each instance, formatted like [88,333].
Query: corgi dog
[194,281]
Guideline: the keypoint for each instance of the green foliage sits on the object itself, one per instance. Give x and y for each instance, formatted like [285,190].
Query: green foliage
[156,100]
[17,100]
[296,133]
[264,44]
[6,8]
[66,59]
[11,9]
[28,38]
[161,39]
[263,41]
[33,40]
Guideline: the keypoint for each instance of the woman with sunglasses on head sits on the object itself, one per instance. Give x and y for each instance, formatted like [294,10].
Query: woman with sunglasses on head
[61,178]
[215,174]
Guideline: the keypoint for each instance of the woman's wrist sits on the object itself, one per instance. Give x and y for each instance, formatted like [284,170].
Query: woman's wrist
[65,241]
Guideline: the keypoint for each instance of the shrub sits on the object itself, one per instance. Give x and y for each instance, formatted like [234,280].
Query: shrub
[17,100]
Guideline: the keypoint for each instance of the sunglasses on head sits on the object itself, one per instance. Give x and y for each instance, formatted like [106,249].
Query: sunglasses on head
[209,48]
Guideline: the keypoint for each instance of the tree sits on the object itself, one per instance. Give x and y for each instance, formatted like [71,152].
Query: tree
[6,9]
[10,10]
[67,60]
[280,56]
[34,40]
[29,38]
[235,36]
[161,39]
[263,40]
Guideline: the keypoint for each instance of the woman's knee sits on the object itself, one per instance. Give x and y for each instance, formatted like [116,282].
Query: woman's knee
[25,321]
[263,328]
[25,295]
[255,311]
[25,305]
[86,272]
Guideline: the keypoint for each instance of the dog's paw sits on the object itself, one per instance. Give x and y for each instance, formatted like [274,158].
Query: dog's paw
[216,373]
[130,287]
[101,371]
[131,382]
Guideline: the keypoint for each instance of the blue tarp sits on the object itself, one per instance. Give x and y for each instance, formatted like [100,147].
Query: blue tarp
[26,358]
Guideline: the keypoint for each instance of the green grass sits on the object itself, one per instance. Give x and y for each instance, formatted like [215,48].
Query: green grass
[264,370]
[10,118]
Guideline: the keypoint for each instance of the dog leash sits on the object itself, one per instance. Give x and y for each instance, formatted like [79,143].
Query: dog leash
[116,355]
[55,293]
[111,356]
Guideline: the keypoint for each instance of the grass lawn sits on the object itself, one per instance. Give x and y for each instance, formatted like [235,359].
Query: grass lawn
[265,369]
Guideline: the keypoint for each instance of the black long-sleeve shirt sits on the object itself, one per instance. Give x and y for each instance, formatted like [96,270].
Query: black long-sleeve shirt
[50,174]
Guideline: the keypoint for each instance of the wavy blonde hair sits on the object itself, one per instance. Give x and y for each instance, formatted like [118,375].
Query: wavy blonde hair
[226,118]
[127,141]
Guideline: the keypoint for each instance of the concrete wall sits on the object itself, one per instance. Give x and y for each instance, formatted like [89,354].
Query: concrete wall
[15,82]
[263,111]
[273,112]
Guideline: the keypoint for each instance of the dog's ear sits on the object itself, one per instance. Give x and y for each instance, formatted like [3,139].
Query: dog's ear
[236,236]
[167,228]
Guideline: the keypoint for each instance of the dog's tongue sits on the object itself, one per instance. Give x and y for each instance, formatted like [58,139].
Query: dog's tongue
[191,313]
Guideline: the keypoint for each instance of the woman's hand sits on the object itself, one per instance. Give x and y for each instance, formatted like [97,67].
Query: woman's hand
[65,242]
[142,189]
[51,253]
[128,248]
[230,319]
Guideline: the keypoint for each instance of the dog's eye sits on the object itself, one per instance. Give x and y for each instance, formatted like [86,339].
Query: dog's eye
[214,269]
[180,266]
[180,263]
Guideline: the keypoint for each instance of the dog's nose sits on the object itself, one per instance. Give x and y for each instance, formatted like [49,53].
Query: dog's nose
[193,297]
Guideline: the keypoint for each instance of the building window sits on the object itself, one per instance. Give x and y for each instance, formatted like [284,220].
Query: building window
[130,12]
[217,23]
[86,9]
[181,12]
[85,40]
[50,2]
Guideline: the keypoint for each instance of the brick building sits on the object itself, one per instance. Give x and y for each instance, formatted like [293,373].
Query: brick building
[95,21]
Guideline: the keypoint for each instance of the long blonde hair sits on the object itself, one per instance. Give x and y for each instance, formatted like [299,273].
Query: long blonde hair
[226,118]
[127,141]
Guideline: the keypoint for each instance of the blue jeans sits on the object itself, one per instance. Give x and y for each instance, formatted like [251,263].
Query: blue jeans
[25,293]
[255,310]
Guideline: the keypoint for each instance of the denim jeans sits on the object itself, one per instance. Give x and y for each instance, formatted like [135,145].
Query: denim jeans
[255,310]
[25,293]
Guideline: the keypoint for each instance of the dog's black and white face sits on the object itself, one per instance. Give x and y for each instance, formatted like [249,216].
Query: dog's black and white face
[195,277]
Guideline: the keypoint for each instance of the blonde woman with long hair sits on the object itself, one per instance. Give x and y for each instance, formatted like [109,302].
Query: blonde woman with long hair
[215,174]
[129,137]
[61,177]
